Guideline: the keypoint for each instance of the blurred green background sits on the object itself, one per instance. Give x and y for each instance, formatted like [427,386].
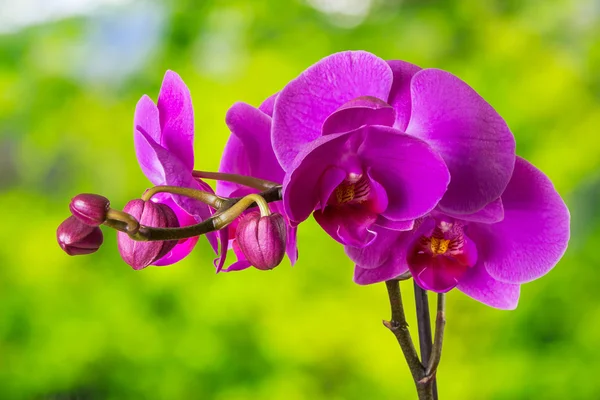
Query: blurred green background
[92,328]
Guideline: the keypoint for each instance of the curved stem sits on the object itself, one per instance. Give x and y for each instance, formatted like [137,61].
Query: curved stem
[207,198]
[399,327]
[216,222]
[425,336]
[440,323]
[249,181]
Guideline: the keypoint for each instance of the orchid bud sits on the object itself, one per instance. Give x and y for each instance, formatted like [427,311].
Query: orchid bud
[91,209]
[140,254]
[77,238]
[262,239]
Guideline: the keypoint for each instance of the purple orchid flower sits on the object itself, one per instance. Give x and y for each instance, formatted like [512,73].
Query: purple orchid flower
[249,152]
[488,254]
[164,145]
[350,134]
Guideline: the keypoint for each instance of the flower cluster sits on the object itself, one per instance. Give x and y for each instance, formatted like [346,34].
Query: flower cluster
[408,168]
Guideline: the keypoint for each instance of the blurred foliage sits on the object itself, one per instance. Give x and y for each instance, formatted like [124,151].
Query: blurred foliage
[92,328]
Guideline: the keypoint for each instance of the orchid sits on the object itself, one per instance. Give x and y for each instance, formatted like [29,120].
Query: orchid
[164,140]
[361,141]
[249,152]
[408,168]
[488,254]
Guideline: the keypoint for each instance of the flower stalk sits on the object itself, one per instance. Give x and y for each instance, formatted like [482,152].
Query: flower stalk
[228,210]
[423,374]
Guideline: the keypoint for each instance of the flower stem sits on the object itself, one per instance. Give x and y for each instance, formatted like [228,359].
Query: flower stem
[207,198]
[424,325]
[219,220]
[440,323]
[399,327]
[249,181]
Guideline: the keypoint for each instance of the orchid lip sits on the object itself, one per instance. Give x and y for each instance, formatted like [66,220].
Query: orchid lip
[439,258]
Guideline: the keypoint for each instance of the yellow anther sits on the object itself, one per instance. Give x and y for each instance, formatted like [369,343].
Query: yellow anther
[439,246]
[344,193]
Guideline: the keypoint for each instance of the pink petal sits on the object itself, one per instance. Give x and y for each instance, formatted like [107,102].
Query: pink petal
[413,175]
[400,93]
[305,103]
[534,233]
[176,119]
[479,285]
[473,139]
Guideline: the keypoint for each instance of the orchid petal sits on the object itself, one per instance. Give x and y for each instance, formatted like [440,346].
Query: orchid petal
[348,224]
[176,119]
[395,225]
[146,120]
[358,112]
[412,174]
[534,233]
[479,285]
[268,105]
[305,103]
[473,139]
[400,93]
[393,267]
[300,193]
[493,212]
[379,251]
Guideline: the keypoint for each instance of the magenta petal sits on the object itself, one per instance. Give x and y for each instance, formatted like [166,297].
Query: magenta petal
[473,139]
[358,112]
[412,174]
[267,105]
[255,157]
[146,121]
[479,285]
[238,266]
[490,214]
[395,225]
[348,224]
[393,267]
[400,93]
[176,119]
[438,274]
[291,248]
[305,103]
[301,193]
[534,233]
[223,236]
[185,246]
[380,250]
[330,179]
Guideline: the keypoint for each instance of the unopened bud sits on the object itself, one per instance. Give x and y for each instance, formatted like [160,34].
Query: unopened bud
[262,239]
[77,238]
[90,208]
[141,254]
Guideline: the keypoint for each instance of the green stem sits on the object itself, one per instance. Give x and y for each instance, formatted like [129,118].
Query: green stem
[207,198]
[219,220]
[249,181]
[425,336]
[399,327]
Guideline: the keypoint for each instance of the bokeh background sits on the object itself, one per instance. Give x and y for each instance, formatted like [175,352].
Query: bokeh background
[92,328]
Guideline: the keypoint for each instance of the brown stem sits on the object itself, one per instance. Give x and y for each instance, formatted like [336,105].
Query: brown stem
[399,327]
[425,337]
[440,323]
[207,198]
[216,222]
[249,181]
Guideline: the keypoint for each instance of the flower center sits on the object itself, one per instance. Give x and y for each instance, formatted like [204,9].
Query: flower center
[441,256]
[438,246]
[355,192]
